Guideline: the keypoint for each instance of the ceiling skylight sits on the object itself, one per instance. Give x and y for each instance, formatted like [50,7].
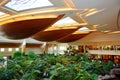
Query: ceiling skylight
[66,21]
[20,5]
[1,13]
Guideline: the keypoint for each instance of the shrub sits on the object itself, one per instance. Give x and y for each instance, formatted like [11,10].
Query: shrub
[17,54]
[52,67]
[31,54]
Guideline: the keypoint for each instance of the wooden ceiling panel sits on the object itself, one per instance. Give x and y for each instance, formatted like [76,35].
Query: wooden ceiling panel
[71,38]
[27,28]
[53,34]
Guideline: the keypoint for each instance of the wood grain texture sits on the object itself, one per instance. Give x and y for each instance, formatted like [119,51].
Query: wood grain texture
[53,34]
[27,28]
[71,38]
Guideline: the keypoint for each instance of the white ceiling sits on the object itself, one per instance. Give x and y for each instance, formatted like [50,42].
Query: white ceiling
[107,16]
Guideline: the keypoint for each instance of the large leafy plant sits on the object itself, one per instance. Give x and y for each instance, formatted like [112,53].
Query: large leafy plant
[53,67]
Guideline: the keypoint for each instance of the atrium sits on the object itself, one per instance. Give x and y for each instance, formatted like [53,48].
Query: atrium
[60,26]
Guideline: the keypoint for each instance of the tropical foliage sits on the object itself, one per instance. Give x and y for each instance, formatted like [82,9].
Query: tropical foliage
[53,67]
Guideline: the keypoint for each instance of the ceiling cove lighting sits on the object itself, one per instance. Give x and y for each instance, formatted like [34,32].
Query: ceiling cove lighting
[66,21]
[19,5]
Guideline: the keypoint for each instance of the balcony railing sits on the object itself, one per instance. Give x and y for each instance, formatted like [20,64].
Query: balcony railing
[104,52]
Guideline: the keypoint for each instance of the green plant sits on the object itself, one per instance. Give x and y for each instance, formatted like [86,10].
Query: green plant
[1,56]
[17,54]
[71,51]
[31,54]
[53,67]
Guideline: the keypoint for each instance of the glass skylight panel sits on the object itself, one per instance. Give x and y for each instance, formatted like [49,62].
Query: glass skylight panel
[20,5]
[1,13]
[66,21]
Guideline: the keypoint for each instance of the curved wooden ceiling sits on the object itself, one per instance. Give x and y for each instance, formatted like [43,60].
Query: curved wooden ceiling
[53,34]
[72,37]
[27,28]
[98,15]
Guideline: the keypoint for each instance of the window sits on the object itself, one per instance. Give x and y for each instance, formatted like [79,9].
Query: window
[9,49]
[16,49]
[2,49]
[55,48]
[62,48]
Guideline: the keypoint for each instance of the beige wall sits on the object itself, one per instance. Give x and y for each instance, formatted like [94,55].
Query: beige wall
[9,53]
[36,50]
[59,48]
[6,51]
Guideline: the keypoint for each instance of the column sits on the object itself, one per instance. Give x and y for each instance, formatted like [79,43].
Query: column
[84,49]
[23,47]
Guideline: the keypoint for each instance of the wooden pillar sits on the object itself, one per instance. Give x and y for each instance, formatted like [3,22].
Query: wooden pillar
[57,48]
[23,47]
[101,48]
[53,47]
[84,49]
[5,62]
[116,48]
[43,47]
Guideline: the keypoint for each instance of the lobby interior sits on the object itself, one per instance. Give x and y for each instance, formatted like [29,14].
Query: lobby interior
[52,26]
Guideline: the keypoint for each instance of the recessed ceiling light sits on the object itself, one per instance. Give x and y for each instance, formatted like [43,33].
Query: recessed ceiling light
[20,5]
